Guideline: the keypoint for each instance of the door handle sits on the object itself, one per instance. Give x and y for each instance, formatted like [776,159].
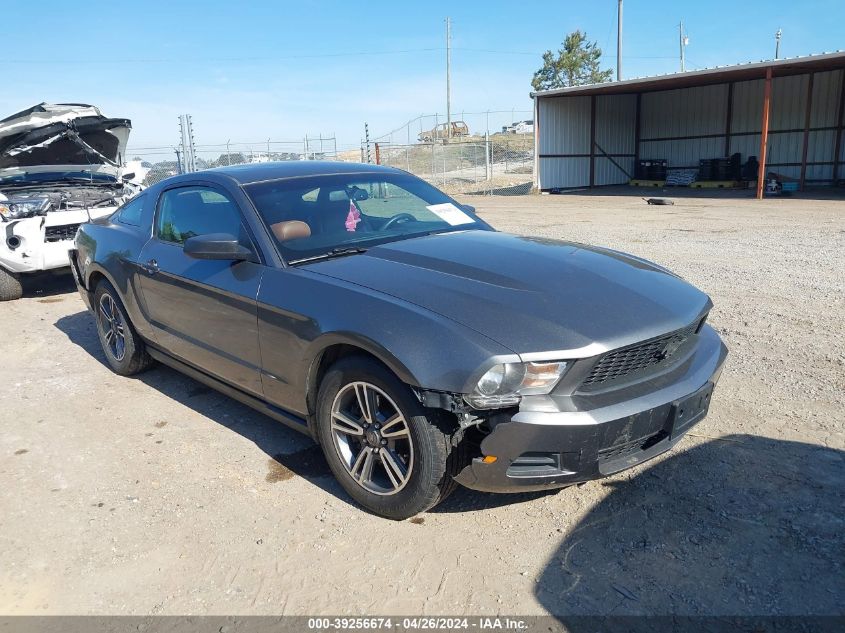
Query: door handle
[151,267]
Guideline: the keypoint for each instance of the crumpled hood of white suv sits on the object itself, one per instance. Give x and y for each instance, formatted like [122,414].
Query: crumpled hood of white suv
[65,134]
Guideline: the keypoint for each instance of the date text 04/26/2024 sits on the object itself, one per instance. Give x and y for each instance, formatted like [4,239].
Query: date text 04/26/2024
[416,624]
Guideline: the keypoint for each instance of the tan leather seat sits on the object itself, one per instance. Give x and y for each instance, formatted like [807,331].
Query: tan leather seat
[290,230]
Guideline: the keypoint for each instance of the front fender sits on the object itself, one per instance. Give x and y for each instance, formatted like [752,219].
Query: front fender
[301,314]
[317,348]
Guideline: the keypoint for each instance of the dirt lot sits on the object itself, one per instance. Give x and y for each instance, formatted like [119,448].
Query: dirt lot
[157,496]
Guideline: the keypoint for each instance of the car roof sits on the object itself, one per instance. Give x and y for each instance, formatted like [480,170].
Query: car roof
[257,172]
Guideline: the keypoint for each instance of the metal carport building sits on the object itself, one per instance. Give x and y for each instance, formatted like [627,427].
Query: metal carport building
[590,136]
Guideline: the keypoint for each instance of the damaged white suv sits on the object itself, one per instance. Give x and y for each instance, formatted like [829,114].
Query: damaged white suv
[60,166]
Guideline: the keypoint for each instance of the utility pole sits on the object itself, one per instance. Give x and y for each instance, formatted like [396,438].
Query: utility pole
[448,77]
[619,43]
[777,43]
[683,40]
[186,131]
[183,144]
[367,140]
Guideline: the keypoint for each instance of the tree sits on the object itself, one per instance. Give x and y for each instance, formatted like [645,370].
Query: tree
[577,63]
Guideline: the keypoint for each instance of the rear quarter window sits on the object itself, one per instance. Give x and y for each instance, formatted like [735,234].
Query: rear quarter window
[130,213]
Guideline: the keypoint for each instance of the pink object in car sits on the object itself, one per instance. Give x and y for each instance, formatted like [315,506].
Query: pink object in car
[353,217]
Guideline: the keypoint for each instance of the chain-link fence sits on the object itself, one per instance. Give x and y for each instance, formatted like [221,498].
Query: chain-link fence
[465,126]
[500,165]
[490,152]
[479,153]
[159,163]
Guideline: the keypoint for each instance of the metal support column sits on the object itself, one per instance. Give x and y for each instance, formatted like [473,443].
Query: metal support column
[637,133]
[592,140]
[806,143]
[728,117]
[537,185]
[764,134]
[837,146]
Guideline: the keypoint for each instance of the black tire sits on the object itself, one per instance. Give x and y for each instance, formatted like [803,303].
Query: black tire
[10,285]
[438,454]
[134,357]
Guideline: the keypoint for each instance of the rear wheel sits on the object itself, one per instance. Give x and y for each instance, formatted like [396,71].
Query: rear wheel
[393,456]
[124,349]
[10,285]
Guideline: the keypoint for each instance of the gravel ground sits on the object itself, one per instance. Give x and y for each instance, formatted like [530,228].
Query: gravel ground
[156,495]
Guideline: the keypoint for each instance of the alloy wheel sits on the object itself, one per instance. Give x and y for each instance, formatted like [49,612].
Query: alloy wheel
[112,327]
[372,438]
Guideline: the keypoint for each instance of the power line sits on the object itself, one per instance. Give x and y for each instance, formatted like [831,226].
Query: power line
[537,54]
[218,59]
[257,58]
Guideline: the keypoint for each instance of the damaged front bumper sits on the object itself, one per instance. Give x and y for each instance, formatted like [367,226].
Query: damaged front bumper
[42,243]
[541,447]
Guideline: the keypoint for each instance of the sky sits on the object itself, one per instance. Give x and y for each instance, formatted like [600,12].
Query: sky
[249,70]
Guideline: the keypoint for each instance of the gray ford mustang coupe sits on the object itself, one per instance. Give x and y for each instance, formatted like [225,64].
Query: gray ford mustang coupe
[420,347]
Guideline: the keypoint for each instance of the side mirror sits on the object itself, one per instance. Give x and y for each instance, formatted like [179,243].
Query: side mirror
[221,246]
[129,176]
[468,207]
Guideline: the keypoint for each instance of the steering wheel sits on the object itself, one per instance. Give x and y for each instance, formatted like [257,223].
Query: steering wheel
[396,219]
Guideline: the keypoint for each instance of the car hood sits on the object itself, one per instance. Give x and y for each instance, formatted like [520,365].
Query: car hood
[529,294]
[64,134]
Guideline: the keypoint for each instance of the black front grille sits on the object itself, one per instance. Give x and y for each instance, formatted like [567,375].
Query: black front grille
[640,356]
[59,233]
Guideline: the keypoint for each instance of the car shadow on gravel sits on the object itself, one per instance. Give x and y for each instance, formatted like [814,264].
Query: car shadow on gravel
[289,452]
[48,284]
[466,500]
[741,526]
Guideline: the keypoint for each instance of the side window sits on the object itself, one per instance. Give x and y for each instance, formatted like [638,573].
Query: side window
[186,212]
[130,213]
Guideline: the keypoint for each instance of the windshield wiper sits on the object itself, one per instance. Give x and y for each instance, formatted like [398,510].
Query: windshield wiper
[335,252]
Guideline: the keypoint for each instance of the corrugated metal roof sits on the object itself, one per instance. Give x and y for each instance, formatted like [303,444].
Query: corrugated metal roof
[720,74]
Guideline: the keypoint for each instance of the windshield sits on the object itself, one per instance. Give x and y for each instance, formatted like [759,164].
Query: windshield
[324,215]
[40,177]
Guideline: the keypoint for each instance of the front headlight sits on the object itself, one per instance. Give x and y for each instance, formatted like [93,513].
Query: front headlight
[17,208]
[503,385]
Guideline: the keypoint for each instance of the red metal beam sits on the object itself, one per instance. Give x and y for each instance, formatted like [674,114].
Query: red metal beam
[806,132]
[764,135]
[378,155]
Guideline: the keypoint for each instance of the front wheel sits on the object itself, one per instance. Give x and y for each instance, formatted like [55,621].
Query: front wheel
[393,456]
[10,285]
